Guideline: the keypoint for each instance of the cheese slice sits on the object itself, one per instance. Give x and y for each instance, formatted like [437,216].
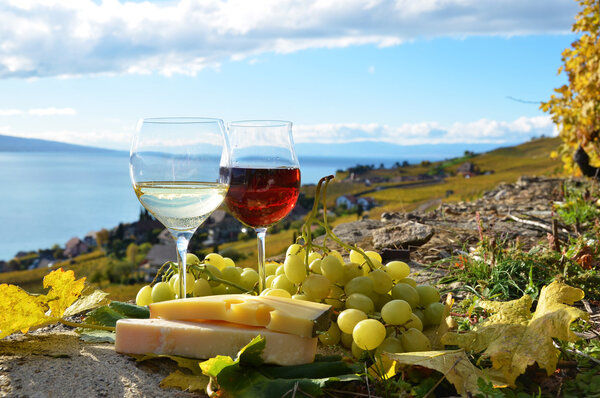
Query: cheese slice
[278,314]
[209,339]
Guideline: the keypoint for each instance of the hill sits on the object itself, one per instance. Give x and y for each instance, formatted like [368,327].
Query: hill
[17,144]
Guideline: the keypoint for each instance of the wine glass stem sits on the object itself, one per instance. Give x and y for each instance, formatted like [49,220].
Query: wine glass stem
[182,240]
[261,233]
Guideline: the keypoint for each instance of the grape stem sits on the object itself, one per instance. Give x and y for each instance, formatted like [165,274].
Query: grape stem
[311,218]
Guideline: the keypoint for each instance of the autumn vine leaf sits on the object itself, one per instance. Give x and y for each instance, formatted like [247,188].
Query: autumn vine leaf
[514,339]
[21,311]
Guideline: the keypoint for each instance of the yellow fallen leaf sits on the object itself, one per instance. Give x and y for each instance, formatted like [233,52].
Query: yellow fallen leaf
[64,290]
[19,310]
[514,339]
[186,382]
[454,365]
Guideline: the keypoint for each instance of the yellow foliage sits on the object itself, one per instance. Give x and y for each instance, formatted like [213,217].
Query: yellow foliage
[20,311]
[454,365]
[575,108]
[514,339]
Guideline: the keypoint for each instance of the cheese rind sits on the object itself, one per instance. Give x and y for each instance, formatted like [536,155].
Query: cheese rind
[209,339]
[278,314]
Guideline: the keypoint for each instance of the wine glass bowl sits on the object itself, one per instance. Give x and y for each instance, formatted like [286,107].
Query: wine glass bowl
[264,176]
[175,167]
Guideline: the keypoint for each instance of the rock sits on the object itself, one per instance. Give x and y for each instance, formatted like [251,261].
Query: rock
[402,235]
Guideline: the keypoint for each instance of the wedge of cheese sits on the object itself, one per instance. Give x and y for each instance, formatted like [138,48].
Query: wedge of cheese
[208,339]
[278,314]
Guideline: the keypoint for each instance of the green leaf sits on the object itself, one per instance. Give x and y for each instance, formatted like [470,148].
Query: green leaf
[130,310]
[104,316]
[250,355]
[311,370]
[97,336]
[244,377]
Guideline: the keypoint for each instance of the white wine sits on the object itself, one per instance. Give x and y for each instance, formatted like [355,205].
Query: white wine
[180,206]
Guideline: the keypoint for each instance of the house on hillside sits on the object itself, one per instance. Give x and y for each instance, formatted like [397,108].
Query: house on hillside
[75,247]
[351,202]
[467,170]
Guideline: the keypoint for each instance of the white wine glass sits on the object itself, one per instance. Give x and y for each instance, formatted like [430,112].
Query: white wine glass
[175,166]
[265,177]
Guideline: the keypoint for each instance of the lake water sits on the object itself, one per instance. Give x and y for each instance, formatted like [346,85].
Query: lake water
[48,198]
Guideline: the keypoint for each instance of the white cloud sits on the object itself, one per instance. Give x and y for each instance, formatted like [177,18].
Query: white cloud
[479,131]
[79,37]
[10,112]
[52,112]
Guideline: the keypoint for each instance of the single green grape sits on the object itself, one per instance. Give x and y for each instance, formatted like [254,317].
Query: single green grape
[249,278]
[337,254]
[294,268]
[427,295]
[269,280]
[297,250]
[302,297]
[280,270]
[276,293]
[390,344]
[360,302]
[315,266]
[219,289]
[201,287]
[231,274]
[374,256]
[271,268]
[409,281]
[414,340]
[356,257]
[356,350]
[228,262]
[360,284]
[346,339]
[382,299]
[382,283]
[396,312]
[331,336]
[397,270]
[434,313]
[402,291]
[162,292]
[192,259]
[334,298]
[282,282]
[347,319]
[414,322]
[316,286]
[144,296]
[313,256]
[351,271]
[368,334]
[332,268]
[215,259]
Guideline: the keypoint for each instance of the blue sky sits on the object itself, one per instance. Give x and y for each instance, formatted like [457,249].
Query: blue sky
[405,71]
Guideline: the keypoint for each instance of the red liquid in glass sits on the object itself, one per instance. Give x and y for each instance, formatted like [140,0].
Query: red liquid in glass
[262,197]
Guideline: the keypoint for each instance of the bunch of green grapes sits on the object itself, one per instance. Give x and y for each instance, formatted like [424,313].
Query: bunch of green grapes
[197,280]
[379,307]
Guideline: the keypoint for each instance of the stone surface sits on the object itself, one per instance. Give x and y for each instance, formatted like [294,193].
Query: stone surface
[403,235]
[57,364]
